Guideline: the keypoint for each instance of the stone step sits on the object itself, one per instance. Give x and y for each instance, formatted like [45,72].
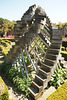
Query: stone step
[41,78]
[45,67]
[56,37]
[55,46]
[51,56]
[56,41]
[53,51]
[49,62]
[41,71]
[33,92]
[37,86]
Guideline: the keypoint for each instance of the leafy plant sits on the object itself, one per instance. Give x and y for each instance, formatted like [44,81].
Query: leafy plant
[22,83]
[59,77]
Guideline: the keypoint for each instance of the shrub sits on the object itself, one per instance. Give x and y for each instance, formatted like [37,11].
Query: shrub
[64,54]
[60,93]
[4,94]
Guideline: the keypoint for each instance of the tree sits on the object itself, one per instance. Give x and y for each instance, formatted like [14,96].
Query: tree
[6,25]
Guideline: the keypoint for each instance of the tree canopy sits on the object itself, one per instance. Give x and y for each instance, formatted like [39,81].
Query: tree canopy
[61,25]
[6,25]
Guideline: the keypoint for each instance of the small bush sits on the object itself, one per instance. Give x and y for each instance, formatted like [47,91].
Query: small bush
[60,93]
[4,94]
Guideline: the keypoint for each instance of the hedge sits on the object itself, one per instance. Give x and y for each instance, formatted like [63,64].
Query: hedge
[4,94]
[60,93]
[64,54]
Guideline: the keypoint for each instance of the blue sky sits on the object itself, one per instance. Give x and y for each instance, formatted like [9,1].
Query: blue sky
[14,9]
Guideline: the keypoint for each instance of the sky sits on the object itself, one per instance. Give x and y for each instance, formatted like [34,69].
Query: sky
[14,9]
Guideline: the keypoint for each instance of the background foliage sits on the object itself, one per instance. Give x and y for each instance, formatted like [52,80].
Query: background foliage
[6,25]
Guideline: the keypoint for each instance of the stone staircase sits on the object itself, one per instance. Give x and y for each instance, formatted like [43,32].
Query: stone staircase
[47,67]
[43,68]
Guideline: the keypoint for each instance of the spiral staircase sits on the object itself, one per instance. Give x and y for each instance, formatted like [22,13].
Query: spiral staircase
[35,39]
